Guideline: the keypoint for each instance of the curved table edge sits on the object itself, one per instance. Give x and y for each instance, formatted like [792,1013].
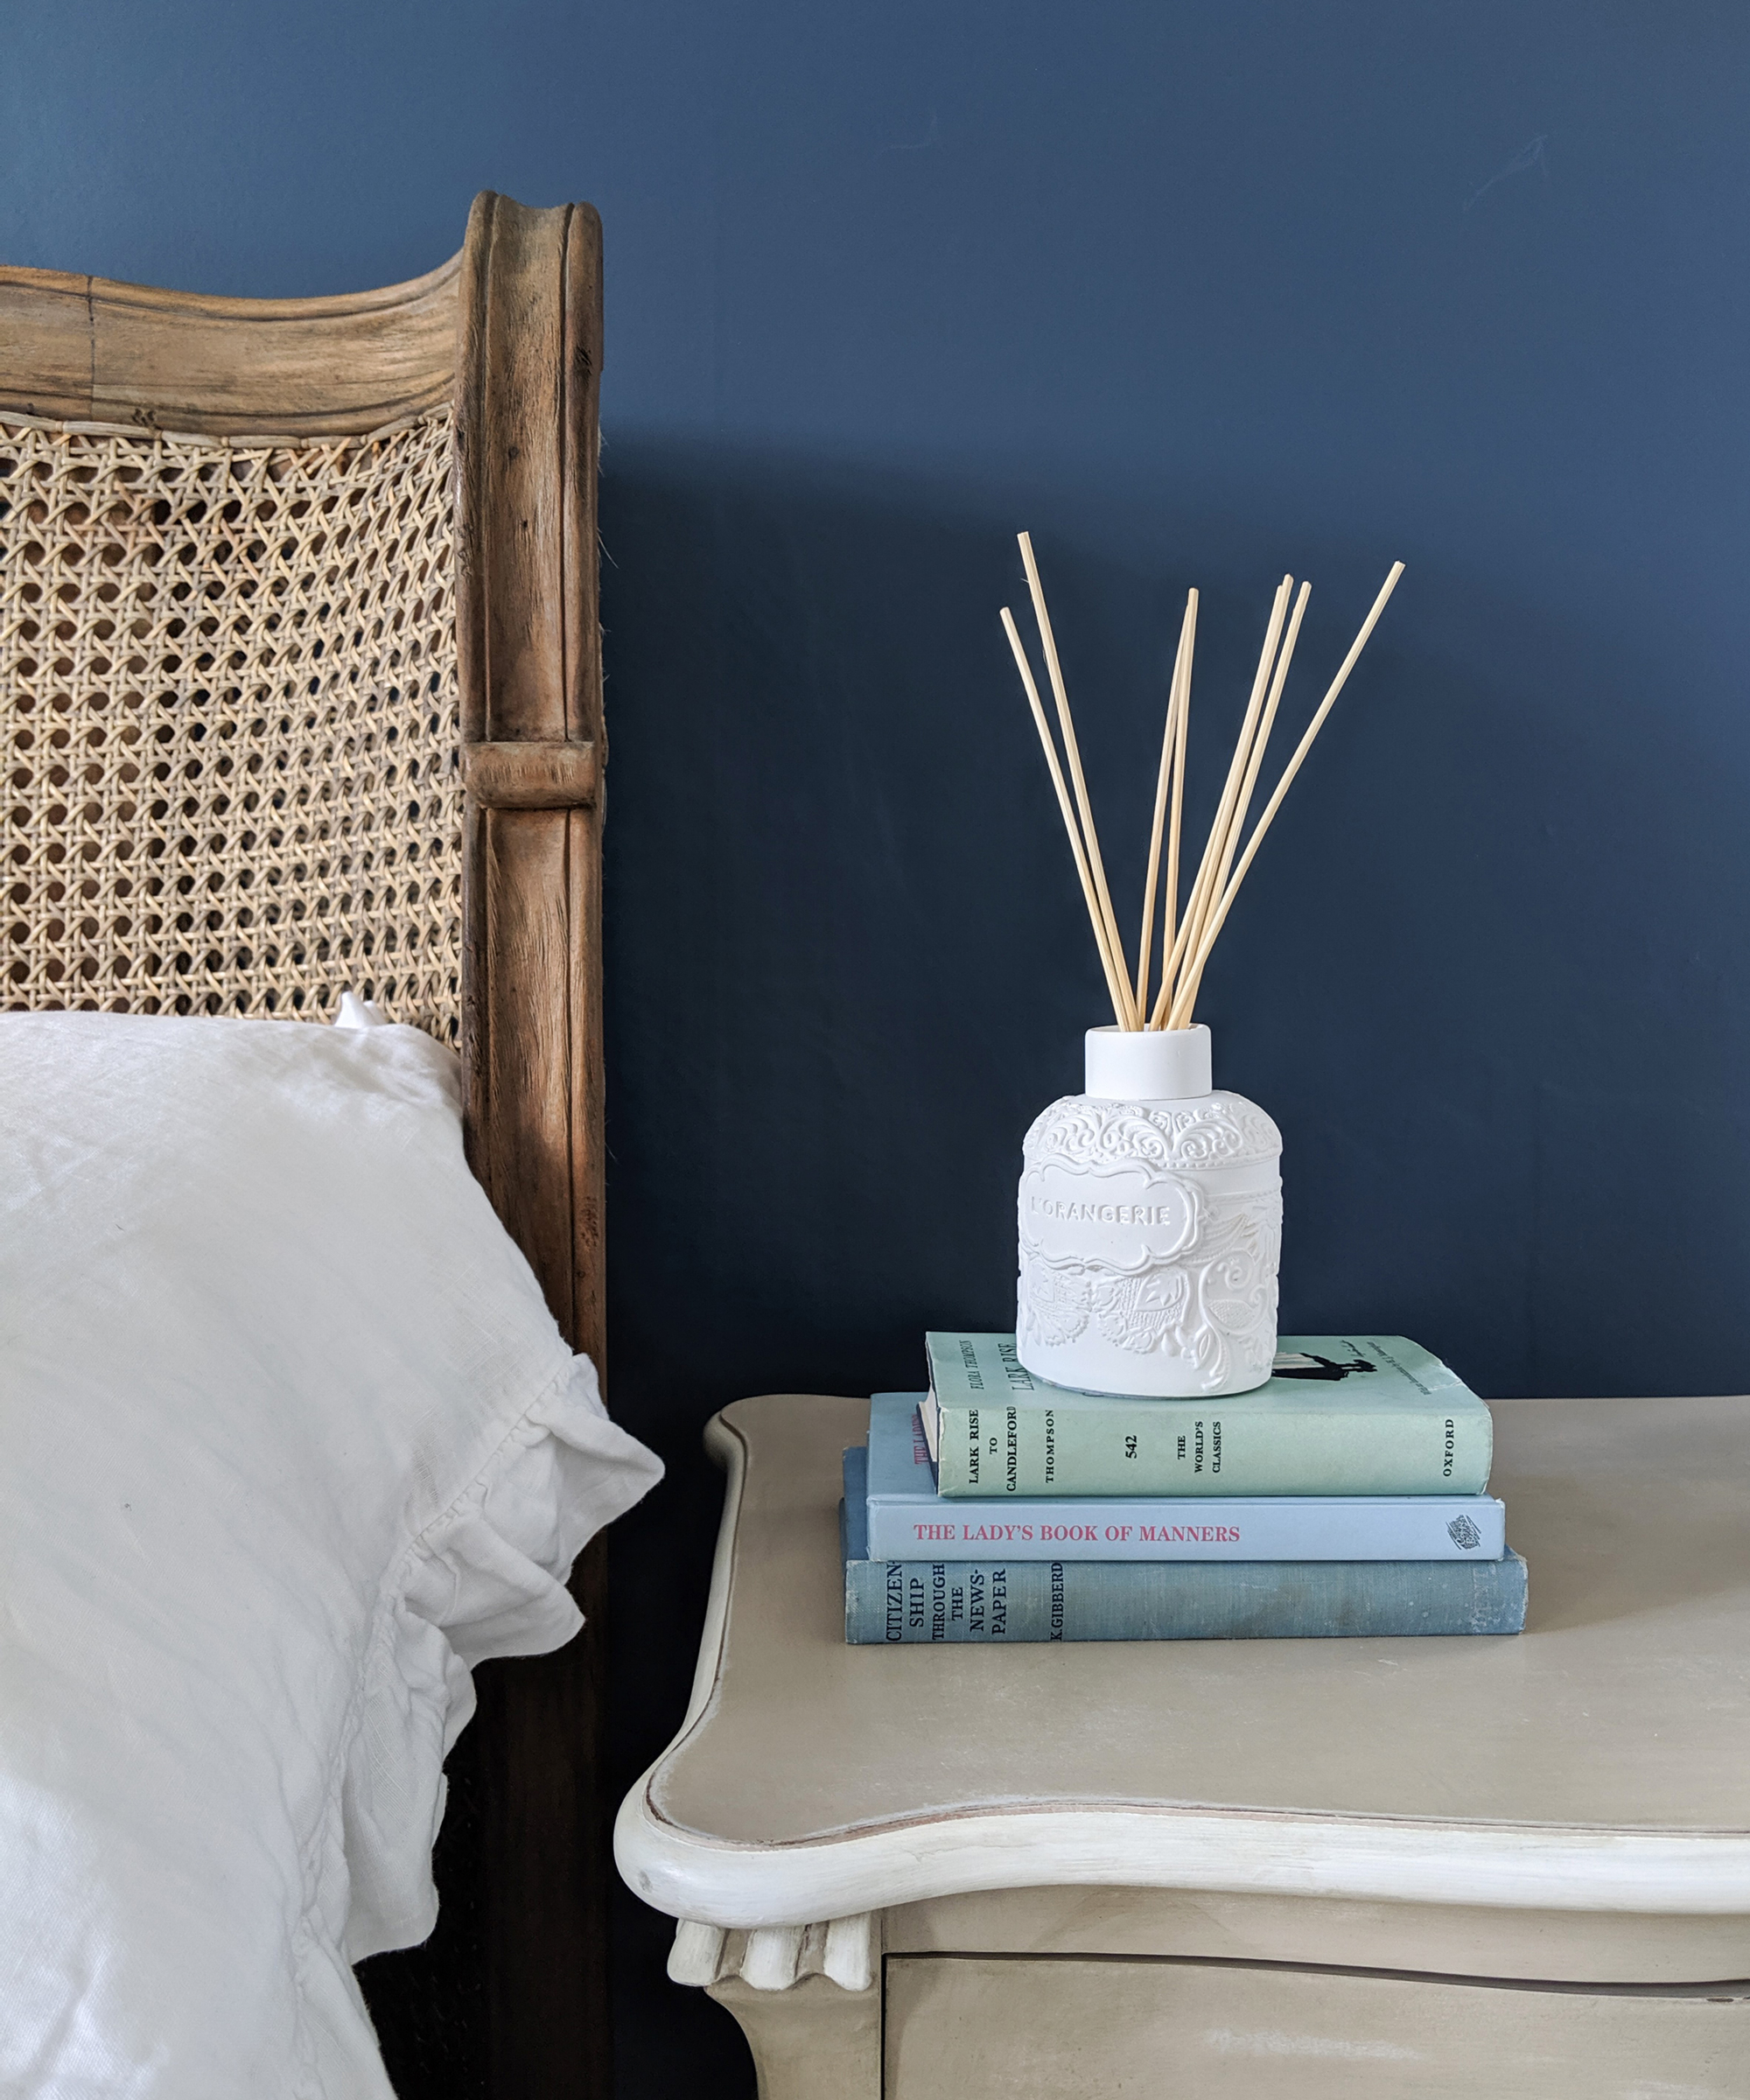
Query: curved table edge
[719,1882]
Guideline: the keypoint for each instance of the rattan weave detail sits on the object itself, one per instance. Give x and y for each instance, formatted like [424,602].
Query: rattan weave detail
[228,702]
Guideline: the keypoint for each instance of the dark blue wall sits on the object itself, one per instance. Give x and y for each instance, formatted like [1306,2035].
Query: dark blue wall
[1199,292]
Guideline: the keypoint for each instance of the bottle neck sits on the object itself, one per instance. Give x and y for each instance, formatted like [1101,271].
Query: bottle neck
[1148,1064]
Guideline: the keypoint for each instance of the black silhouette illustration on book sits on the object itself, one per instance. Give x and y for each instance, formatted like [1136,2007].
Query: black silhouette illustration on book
[1298,1365]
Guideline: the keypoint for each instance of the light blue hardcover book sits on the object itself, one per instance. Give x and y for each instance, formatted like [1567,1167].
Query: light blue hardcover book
[907,1517]
[899,1601]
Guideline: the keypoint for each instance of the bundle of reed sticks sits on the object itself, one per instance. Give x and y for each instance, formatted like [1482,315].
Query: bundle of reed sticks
[1187,938]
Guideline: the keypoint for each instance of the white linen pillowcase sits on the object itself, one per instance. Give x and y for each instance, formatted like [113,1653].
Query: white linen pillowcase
[288,1440]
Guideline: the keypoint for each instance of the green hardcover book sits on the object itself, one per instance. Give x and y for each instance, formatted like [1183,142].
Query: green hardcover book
[1342,1414]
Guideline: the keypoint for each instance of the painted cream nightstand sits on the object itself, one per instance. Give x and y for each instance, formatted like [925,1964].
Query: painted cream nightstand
[1382,1870]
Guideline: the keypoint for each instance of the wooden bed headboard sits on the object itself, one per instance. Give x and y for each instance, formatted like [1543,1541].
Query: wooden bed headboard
[300,682]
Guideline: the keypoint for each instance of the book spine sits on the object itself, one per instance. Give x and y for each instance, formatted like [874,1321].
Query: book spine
[903,1601]
[999,1452]
[1284,1528]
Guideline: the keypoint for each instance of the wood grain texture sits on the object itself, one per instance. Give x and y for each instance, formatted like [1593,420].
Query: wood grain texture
[86,349]
[531,776]
[529,646]
[588,1098]
[520,1070]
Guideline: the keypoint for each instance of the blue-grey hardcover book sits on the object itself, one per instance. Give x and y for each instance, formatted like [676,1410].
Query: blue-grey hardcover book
[888,1601]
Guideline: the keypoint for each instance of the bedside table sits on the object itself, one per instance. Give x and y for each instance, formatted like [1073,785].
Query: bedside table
[1248,1869]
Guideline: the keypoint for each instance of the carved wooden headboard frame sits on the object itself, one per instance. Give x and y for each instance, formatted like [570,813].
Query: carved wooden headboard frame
[97,380]
[529,640]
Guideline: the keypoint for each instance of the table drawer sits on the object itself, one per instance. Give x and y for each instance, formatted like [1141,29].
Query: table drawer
[978,2027]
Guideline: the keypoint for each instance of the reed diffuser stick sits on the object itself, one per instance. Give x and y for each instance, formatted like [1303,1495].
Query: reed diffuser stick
[1128,1017]
[1197,906]
[1208,874]
[1169,917]
[1236,823]
[1094,917]
[1187,998]
[1185,943]
[1169,740]
[1151,880]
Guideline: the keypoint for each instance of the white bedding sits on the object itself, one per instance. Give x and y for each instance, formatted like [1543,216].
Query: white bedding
[288,1440]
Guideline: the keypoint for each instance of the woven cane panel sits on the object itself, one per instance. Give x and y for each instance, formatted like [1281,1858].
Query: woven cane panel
[227,693]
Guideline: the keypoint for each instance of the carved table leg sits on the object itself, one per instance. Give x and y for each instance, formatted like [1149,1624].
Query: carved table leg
[808,1998]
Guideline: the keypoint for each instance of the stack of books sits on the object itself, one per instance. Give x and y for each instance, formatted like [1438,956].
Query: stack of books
[1345,1496]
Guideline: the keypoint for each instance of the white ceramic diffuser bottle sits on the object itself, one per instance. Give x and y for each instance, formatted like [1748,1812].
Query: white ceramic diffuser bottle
[1150,1206]
[1151,1226]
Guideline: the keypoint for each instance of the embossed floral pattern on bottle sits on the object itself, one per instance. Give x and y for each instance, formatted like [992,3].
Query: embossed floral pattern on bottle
[1150,1237]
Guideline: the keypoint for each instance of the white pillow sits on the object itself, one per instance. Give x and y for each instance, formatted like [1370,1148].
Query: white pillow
[288,1439]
